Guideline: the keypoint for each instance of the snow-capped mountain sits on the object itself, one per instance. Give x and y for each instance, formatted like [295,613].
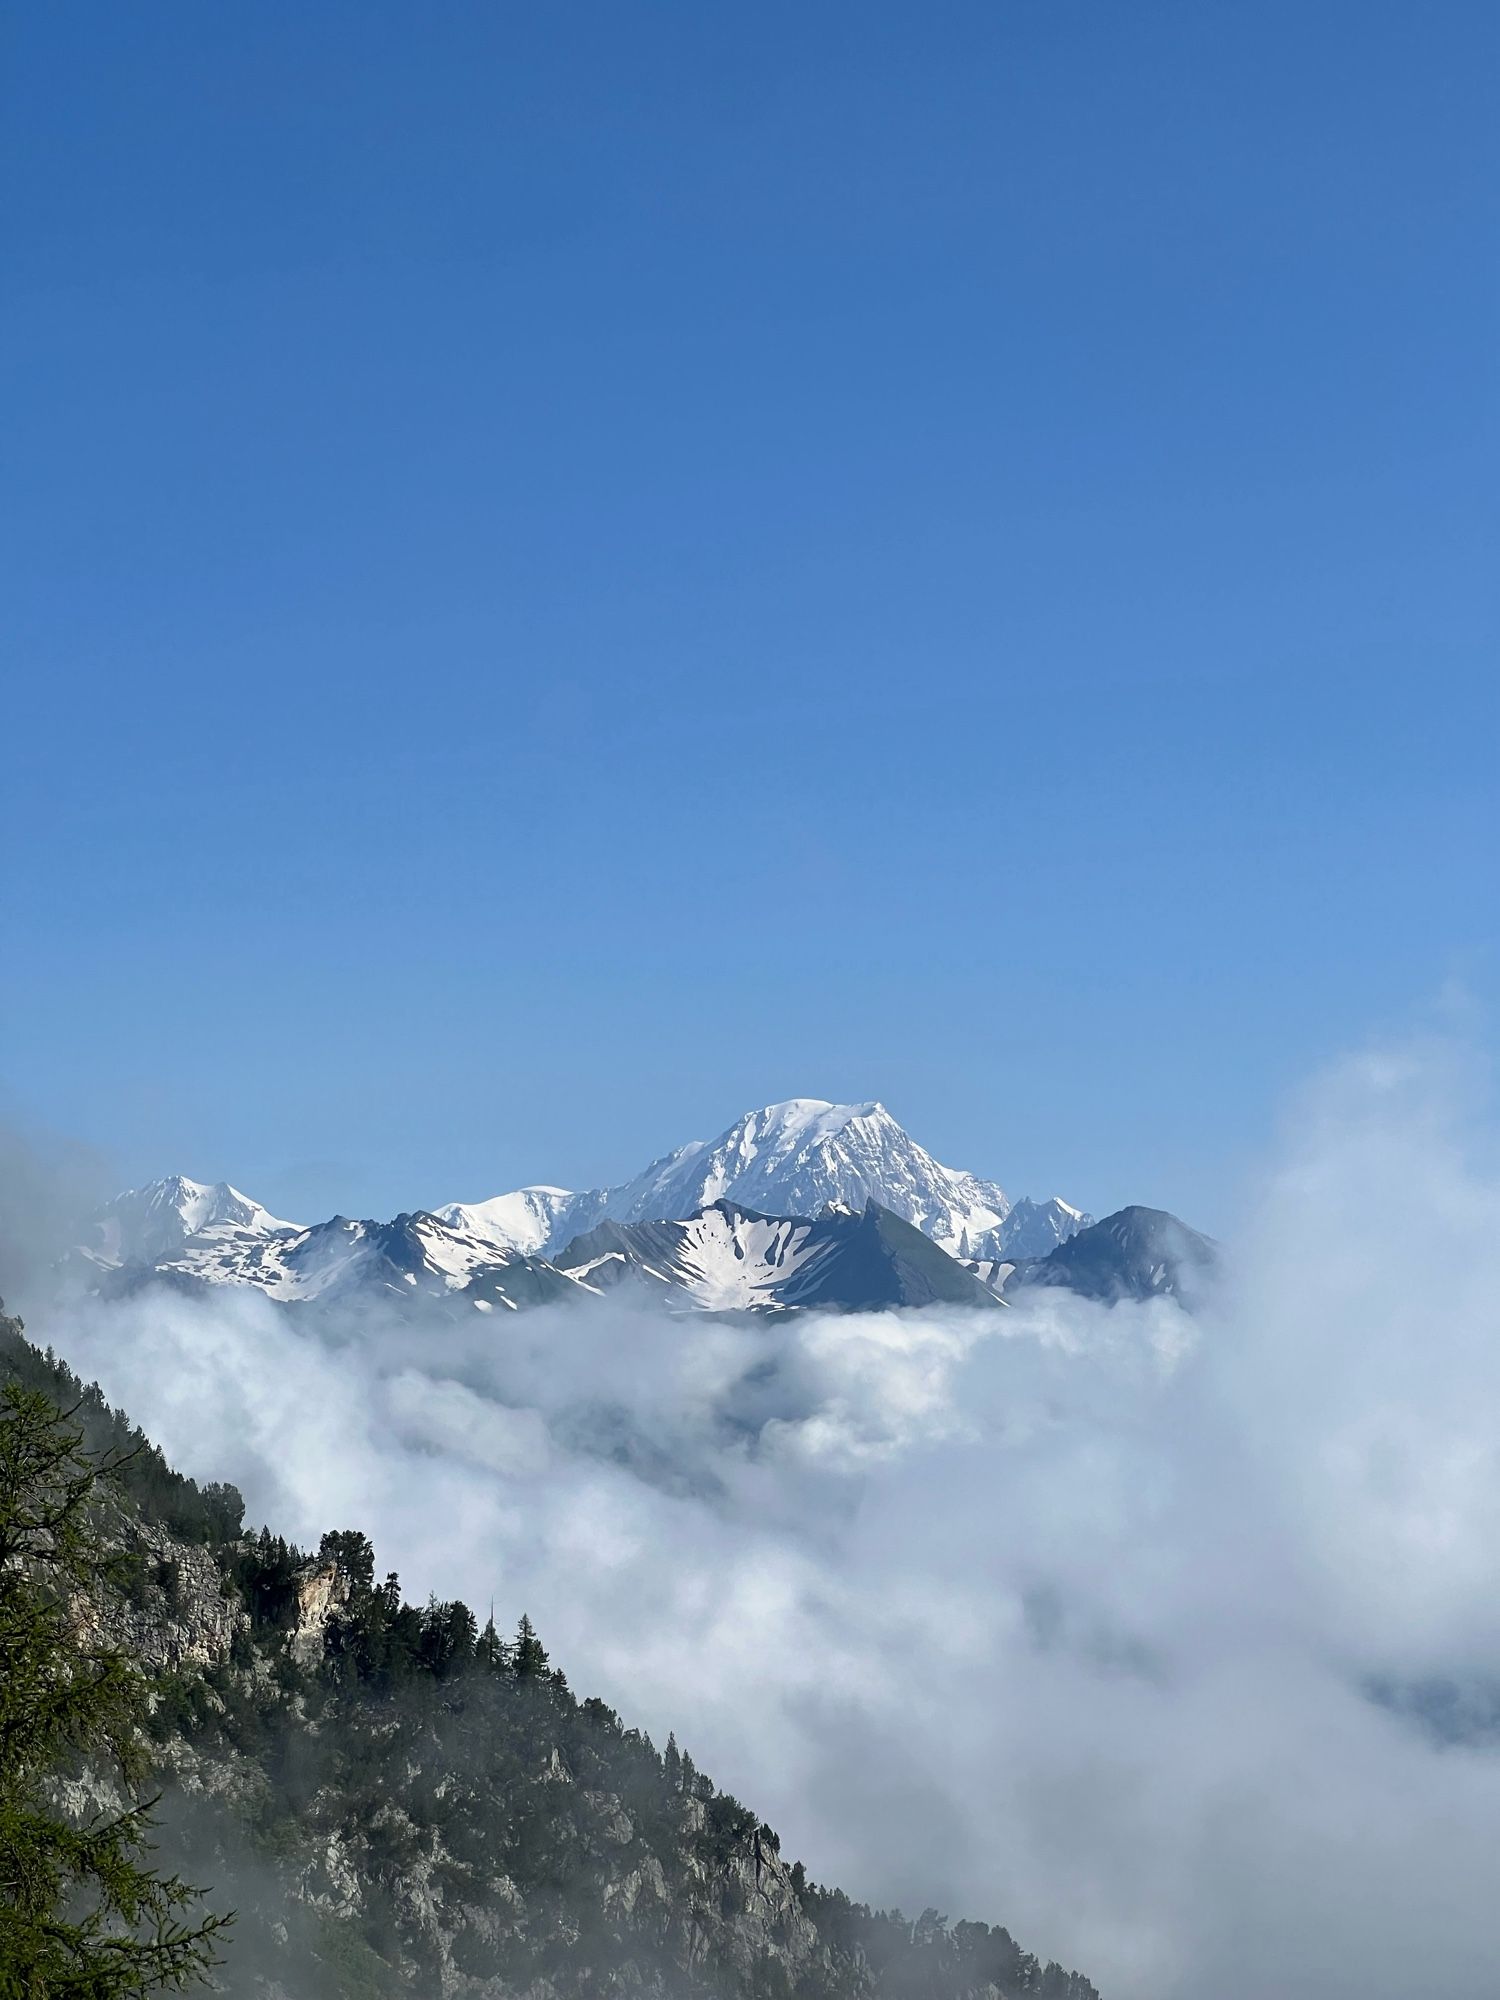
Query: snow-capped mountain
[795,1159]
[149,1223]
[411,1258]
[724,1257]
[730,1259]
[1032,1228]
[797,1203]
[526,1220]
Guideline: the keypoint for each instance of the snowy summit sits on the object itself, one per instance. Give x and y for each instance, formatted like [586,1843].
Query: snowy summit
[795,1158]
[774,1212]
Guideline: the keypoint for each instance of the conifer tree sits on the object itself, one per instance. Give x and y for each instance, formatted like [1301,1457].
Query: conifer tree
[490,1650]
[529,1655]
[82,1914]
[460,1637]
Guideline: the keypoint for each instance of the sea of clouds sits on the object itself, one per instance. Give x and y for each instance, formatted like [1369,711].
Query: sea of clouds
[1122,1628]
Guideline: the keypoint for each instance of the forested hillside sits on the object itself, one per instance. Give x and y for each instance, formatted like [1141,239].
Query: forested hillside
[397,1801]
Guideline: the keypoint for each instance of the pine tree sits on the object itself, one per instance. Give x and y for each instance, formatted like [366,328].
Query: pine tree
[490,1650]
[82,1917]
[461,1636]
[529,1655]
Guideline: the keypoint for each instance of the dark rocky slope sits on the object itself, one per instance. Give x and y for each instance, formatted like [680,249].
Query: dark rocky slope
[398,1803]
[1136,1253]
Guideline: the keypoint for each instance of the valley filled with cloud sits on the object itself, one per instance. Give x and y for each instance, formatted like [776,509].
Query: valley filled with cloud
[1175,1639]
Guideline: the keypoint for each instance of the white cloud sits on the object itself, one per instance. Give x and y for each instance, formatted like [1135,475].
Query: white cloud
[1059,1618]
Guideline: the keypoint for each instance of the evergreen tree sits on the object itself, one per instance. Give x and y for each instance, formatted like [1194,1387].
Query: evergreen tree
[529,1655]
[461,1636]
[491,1650]
[82,1917]
[352,1553]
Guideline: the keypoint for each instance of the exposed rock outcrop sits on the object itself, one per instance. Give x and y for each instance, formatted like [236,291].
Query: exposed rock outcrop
[398,1804]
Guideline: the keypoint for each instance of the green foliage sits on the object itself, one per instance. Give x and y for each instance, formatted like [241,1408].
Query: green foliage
[421,1744]
[529,1655]
[83,1915]
[211,1514]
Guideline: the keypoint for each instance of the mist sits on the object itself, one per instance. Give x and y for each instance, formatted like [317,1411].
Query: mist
[1120,1627]
[46,1184]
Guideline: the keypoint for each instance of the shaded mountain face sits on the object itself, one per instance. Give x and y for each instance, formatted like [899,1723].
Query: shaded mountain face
[794,1158]
[1137,1253]
[728,1258]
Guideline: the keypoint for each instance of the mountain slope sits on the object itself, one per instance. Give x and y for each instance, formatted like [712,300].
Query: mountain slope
[794,1158]
[1032,1228]
[145,1225]
[797,1158]
[802,1160]
[411,1258]
[1136,1253]
[724,1258]
[400,1804]
[526,1220]
[729,1258]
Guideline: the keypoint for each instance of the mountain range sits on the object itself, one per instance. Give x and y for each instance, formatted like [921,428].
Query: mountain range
[795,1205]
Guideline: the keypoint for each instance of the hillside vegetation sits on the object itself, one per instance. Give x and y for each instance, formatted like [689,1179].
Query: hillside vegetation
[397,1801]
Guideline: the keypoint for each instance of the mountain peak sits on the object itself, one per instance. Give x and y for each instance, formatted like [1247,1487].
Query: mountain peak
[800,1113]
[1135,1253]
[797,1124]
[729,1257]
[800,1157]
[807,1155]
[797,1156]
[524,1221]
[146,1223]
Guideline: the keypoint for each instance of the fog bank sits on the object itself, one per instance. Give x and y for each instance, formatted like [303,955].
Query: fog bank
[1064,1617]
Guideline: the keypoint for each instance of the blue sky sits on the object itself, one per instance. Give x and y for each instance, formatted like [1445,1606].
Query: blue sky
[575,569]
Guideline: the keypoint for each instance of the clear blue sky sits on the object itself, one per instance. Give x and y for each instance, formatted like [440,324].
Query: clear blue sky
[573,569]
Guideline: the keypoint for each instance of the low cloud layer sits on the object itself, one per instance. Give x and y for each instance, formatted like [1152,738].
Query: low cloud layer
[1068,1617]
